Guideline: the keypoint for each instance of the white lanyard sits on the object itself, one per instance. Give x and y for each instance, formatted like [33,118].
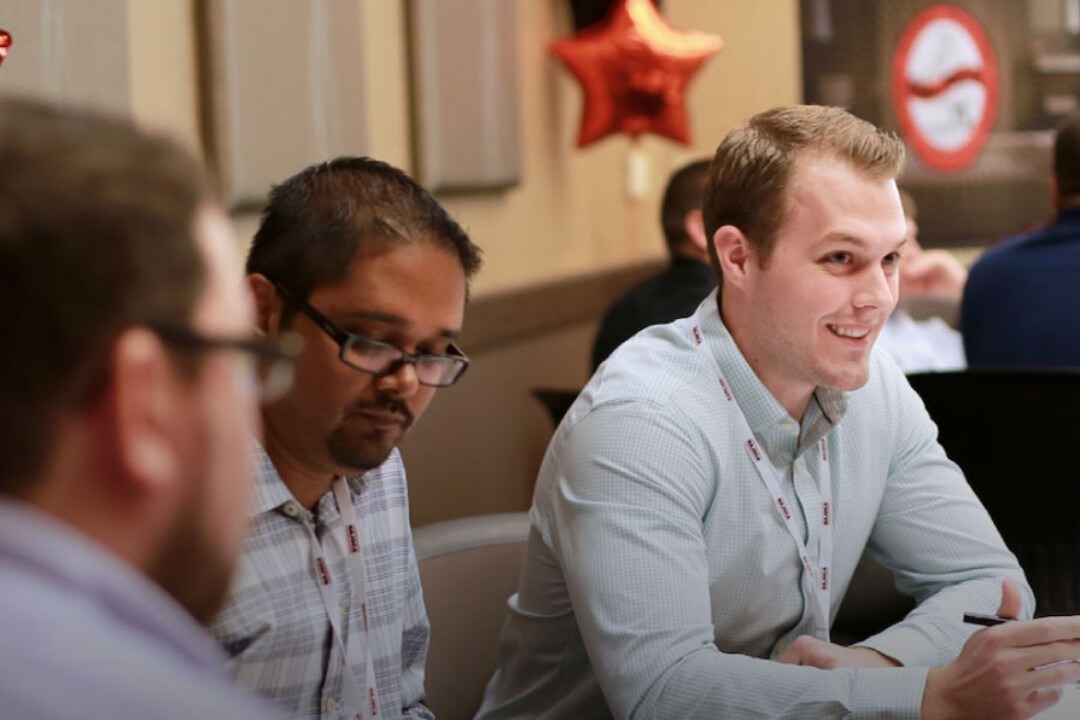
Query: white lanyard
[819,579]
[354,697]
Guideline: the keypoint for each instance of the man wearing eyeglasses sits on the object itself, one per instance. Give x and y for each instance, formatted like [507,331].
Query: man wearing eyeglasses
[127,391]
[326,617]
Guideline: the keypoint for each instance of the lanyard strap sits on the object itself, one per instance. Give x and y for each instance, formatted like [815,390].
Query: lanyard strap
[818,577]
[354,697]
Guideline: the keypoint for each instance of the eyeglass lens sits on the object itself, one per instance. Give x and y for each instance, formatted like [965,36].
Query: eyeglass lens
[378,358]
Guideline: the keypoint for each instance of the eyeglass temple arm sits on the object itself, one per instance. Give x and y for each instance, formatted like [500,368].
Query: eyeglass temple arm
[340,336]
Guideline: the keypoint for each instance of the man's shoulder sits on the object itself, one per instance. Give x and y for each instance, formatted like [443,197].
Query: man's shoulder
[139,679]
[649,369]
[56,635]
[1047,242]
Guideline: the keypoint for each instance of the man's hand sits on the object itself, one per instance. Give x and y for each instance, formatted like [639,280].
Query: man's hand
[808,650]
[1010,671]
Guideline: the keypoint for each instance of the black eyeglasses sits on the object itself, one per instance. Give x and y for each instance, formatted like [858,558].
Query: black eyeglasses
[273,372]
[379,358]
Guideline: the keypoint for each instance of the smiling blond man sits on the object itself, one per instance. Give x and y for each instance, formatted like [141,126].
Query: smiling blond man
[703,505]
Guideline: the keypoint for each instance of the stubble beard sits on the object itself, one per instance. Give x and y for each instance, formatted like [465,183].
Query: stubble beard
[191,566]
[368,450]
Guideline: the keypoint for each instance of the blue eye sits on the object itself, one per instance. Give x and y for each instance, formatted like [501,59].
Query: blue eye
[838,258]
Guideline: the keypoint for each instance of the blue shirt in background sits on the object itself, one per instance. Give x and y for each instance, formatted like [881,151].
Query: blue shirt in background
[1021,305]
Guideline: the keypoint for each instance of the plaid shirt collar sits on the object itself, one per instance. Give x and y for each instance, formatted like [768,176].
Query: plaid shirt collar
[271,492]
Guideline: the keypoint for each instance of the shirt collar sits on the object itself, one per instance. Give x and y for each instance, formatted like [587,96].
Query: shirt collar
[271,492]
[763,411]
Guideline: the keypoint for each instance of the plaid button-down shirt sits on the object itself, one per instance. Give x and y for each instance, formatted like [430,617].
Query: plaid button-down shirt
[275,627]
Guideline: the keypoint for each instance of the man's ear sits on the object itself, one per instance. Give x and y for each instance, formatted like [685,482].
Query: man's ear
[146,410]
[694,227]
[735,254]
[267,304]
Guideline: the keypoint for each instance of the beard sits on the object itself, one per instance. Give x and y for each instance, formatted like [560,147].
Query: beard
[191,566]
[365,448]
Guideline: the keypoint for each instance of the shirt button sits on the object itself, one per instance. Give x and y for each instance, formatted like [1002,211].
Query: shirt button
[785,425]
[330,705]
[291,509]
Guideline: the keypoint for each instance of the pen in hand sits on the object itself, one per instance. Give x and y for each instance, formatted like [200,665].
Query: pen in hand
[987,620]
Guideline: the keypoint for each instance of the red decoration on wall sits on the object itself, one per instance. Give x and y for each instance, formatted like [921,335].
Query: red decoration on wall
[945,86]
[634,69]
[5,44]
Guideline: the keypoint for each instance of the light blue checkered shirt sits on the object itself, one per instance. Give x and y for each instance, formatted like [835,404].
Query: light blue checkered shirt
[660,583]
[275,627]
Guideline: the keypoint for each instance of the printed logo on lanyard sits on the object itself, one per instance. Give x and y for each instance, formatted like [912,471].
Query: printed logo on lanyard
[323,571]
[354,539]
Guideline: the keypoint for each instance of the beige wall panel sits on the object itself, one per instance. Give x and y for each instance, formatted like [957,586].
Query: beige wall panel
[71,51]
[286,89]
[465,93]
[164,68]
[386,81]
[479,446]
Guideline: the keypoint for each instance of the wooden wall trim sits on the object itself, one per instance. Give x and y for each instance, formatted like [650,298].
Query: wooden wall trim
[504,317]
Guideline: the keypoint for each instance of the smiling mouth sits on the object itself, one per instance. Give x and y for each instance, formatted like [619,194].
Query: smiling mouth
[850,332]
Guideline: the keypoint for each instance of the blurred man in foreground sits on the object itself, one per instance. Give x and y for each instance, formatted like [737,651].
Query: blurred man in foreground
[127,393]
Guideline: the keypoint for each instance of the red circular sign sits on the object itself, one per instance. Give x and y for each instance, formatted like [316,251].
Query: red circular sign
[945,86]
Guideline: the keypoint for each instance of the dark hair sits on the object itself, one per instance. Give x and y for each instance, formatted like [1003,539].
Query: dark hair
[316,221]
[96,223]
[753,165]
[681,196]
[1067,157]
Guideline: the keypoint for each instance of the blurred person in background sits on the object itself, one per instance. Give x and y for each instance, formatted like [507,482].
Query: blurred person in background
[1021,305]
[929,343]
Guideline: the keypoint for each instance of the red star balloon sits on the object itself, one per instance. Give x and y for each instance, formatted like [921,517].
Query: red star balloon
[5,43]
[634,69]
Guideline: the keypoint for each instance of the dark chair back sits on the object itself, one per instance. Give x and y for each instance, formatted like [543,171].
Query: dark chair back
[1013,434]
